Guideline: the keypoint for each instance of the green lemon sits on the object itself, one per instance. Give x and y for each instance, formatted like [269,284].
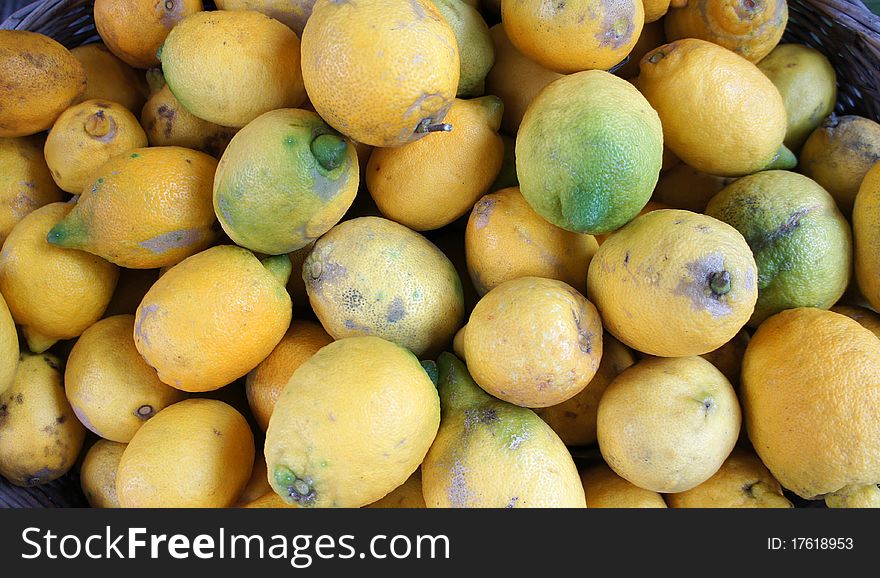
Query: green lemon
[589,152]
[474,45]
[284,180]
[808,85]
[801,241]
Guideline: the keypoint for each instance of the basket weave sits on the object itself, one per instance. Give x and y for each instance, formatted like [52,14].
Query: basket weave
[846,31]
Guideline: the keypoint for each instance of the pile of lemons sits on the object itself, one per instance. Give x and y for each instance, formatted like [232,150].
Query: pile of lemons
[414,253]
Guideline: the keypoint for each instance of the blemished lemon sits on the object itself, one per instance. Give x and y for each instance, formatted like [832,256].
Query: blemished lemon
[597,188]
[674,283]
[41,79]
[492,454]
[213,317]
[86,136]
[40,437]
[25,182]
[574,420]
[372,276]
[839,154]
[505,239]
[533,342]
[574,35]
[720,114]
[230,66]
[750,28]
[284,180]
[817,373]
[168,123]
[147,208]
[8,347]
[378,84]
[668,424]
[352,424]
[801,242]
[742,481]
[433,181]
[74,286]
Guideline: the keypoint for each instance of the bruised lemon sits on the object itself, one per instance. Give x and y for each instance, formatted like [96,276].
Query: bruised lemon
[283,181]
[674,283]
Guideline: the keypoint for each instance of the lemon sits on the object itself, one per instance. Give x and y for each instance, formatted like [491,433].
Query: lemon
[588,152]
[353,423]
[801,242]
[283,181]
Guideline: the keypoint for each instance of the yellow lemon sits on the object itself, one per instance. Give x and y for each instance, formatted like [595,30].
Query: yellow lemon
[74,287]
[429,183]
[213,317]
[352,424]
[380,84]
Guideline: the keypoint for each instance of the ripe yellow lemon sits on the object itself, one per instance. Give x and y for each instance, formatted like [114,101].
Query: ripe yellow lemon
[147,208]
[808,84]
[135,30]
[40,437]
[720,114]
[668,424]
[492,454]
[293,13]
[742,481]
[213,317]
[866,234]
[266,381]
[86,136]
[229,66]
[514,78]
[352,424]
[168,123]
[811,392]
[574,420]
[838,155]
[505,239]
[383,72]
[74,286]
[605,489]
[109,78]
[41,79]
[197,453]
[433,181]
[25,183]
[750,28]
[110,387]
[97,474]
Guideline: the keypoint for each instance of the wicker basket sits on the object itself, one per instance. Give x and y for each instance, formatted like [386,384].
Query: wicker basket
[846,31]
